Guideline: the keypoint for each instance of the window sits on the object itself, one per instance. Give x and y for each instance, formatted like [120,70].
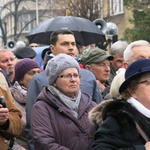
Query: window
[116,7]
[26,23]
[96,6]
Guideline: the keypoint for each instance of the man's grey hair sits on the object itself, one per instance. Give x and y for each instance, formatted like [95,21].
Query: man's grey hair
[128,53]
[118,48]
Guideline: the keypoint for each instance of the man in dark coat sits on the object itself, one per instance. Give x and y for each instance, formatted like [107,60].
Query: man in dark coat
[62,41]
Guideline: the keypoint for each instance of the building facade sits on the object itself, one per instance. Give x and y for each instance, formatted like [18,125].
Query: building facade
[20,17]
[114,11]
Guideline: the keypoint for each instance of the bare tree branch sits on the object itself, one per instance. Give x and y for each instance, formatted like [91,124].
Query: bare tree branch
[14,14]
[83,8]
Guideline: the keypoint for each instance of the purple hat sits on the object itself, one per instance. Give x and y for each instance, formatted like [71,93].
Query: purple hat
[23,66]
[137,68]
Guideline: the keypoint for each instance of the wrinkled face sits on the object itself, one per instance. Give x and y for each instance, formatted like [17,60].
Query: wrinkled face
[100,70]
[7,61]
[68,82]
[142,91]
[140,52]
[117,62]
[65,44]
[28,76]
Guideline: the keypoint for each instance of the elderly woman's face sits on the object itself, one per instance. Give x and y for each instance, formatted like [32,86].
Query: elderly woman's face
[28,76]
[143,90]
[68,82]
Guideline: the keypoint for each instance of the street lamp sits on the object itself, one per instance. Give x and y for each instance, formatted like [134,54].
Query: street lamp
[37,13]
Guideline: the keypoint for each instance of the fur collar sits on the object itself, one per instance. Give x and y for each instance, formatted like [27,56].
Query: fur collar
[121,110]
[95,115]
[124,113]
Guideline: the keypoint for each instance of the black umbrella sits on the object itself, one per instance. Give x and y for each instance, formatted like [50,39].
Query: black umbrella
[85,31]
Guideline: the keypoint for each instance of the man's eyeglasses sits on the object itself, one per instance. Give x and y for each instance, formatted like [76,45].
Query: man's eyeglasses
[69,76]
[147,81]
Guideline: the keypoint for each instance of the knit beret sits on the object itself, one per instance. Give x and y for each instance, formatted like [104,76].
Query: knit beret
[23,66]
[25,52]
[58,64]
[95,55]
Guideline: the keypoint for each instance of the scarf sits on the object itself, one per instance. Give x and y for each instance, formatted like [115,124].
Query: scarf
[142,109]
[71,103]
[19,93]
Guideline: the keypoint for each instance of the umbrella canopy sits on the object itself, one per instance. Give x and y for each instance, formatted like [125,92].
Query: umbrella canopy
[85,31]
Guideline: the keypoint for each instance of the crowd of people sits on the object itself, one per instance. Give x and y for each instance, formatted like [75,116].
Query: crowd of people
[95,100]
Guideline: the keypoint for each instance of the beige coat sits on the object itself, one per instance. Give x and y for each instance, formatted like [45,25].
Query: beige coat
[15,123]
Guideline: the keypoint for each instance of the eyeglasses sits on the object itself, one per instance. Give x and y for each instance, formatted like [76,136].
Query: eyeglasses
[147,81]
[69,76]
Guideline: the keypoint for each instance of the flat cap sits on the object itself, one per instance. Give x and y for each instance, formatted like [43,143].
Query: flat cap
[25,52]
[95,55]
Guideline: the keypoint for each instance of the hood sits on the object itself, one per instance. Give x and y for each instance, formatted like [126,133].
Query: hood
[118,108]
[49,98]
[48,56]
[54,102]
[95,115]
[124,113]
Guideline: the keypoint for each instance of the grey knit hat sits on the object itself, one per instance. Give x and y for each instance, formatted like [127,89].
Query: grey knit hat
[58,64]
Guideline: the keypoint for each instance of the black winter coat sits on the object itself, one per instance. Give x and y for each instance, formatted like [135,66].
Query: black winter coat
[118,130]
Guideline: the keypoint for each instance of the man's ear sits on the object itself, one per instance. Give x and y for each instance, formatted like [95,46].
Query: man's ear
[52,48]
[88,67]
[125,65]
